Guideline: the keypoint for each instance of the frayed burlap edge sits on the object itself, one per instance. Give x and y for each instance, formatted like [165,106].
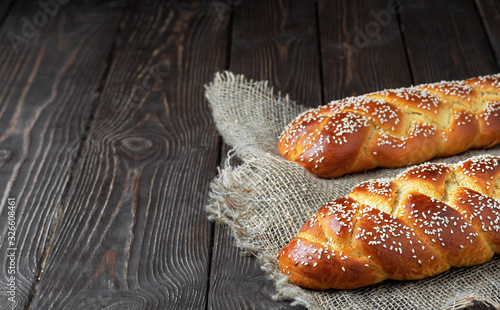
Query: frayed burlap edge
[467,300]
[230,202]
[226,191]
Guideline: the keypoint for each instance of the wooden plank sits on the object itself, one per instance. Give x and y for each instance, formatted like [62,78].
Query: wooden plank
[239,282]
[47,89]
[445,41]
[361,47]
[278,42]
[133,232]
[275,41]
[442,46]
[490,12]
[5,7]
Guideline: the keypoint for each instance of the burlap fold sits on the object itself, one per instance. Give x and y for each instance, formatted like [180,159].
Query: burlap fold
[266,199]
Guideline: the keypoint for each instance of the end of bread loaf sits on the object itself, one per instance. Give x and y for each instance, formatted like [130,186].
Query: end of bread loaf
[395,128]
[419,224]
[315,266]
[314,140]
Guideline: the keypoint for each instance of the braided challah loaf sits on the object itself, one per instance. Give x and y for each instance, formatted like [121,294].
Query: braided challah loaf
[395,128]
[426,220]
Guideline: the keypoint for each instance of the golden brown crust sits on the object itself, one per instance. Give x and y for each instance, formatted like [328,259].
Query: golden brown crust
[394,128]
[335,220]
[449,232]
[428,179]
[416,146]
[482,211]
[393,245]
[309,264]
[480,174]
[419,224]
[489,124]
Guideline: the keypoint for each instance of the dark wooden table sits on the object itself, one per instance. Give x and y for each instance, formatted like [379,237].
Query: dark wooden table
[107,145]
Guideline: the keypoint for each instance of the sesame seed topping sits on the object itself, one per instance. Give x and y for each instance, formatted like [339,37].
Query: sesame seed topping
[450,218]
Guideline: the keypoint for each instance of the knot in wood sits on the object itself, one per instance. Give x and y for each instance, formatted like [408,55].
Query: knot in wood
[139,148]
[137,144]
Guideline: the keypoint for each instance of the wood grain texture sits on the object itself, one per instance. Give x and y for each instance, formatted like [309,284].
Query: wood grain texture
[278,42]
[445,41]
[274,41]
[239,282]
[490,17]
[133,232]
[47,90]
[361,47]
[5,6]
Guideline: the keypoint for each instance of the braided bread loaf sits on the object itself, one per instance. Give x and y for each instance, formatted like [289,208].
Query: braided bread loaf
[395,128]
[426,220]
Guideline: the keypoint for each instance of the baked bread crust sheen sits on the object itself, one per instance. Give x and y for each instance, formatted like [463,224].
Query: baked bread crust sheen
[419,224]
[395,128]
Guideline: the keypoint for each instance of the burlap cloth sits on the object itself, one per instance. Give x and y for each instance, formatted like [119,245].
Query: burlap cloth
[266,199]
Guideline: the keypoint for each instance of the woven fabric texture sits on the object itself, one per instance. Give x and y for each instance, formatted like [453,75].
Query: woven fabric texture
[265,199]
